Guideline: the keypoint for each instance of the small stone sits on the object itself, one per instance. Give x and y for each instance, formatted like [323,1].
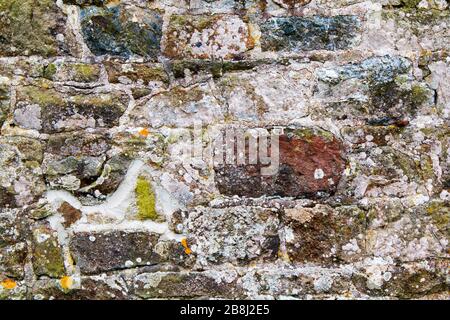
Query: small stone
[69,213]
[47,253]
[29,27]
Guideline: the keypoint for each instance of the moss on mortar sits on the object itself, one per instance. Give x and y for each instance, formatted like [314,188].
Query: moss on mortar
[145,200]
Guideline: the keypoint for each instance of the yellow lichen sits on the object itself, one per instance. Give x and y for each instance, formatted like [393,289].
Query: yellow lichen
[66,282]
[184,243]
[145,199]
[8,284]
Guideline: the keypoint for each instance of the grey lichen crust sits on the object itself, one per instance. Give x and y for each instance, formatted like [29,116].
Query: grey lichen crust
[96,98]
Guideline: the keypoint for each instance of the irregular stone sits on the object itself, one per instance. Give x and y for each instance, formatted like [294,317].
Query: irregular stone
[30,150]
[50,111]
[47,253]
[96,252]
[13,228]
[377,89]
[317,234]
[440,215]
[184,285]
[85,289]
[13,259]
[145,199]
[238,234]
[78,144]
[292,4]
[309,33]
[298,282]
[30,27]
[136,72]
[4,99]
[411,238]
[87,2]
[20,183]
[175,253]
[179,107]
[216,67]
[69,213]
[267,95]
[121,31]
[84,168]
[414,29]
[113,173]
[218,36]
[407,281]
[78,72]
[311,164]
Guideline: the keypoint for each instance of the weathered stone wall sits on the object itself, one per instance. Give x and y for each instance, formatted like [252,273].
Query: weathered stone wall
[96,202]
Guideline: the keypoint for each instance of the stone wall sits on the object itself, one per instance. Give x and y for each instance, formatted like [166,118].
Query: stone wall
[96,202]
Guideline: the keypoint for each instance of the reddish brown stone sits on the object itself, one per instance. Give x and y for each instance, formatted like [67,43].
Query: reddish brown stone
[70,214]
[311,165]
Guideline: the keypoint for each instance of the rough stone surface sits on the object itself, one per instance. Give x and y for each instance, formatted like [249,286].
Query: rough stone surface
[303,154]
[315,33]
[30,27]
[99,252]
[110,187]
[122,32]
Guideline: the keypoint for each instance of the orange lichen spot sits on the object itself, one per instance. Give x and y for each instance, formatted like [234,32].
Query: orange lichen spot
[144,132]
[184,243]
[8,284]
[66,282]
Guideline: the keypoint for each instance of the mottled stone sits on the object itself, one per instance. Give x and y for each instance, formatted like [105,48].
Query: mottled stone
[47,253]
[184,285]
[85,288]
[30,27]
[14,228]
[378,90]
[237,234]
[317,234]
[225,37]
[96,252]
[267,95]
[87,2]
[78,144]
[78,72]
[309,33]
[136,72]
[304,153]
[13,259]
[20,184]
[121,31]
[179,107]
[215,67]
[29,149]
[4,99]
[409,281]
[50,111]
